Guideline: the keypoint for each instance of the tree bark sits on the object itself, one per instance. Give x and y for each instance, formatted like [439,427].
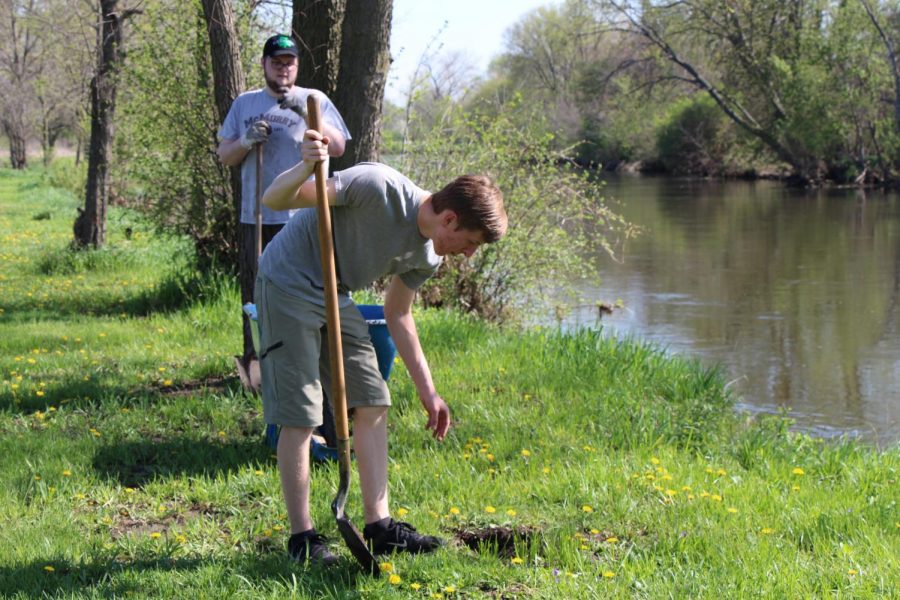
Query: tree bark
[90,226]
[317,25]
[365,60]
[228,82]
[14,130]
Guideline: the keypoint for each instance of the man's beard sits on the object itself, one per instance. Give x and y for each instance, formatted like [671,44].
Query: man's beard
[276,87]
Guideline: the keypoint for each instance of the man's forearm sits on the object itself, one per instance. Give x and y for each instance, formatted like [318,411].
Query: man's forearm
[406,339]
[231,152]
[283,192]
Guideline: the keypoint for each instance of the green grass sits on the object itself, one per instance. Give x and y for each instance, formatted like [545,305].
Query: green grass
[133,465]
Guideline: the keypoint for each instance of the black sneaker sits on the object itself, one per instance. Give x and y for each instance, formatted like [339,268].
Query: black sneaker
[387,536]
[310,546]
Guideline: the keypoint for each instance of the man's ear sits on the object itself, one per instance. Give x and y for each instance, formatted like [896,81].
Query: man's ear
[448,218]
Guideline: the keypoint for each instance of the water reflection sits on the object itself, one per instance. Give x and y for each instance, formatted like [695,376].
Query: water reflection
[794,292]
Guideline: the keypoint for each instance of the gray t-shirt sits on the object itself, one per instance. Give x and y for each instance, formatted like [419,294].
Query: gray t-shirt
[280,153]
[375,234]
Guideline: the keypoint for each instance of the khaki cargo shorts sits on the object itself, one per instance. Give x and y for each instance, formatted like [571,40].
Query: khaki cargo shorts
[294,363]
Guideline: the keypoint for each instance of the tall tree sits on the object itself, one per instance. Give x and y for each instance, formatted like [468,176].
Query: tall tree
[318,26]
[228,78]
[18,68]
[365,60]
[90,225]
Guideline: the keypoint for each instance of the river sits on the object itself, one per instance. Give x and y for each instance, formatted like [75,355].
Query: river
[794,292]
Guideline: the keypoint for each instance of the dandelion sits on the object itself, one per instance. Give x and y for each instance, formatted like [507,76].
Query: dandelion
[732,510]
[39,393]
[490,509]
[180,539]
[546,470]
[526,453]
[167,382]
[67,473]
[450,589]
[587,508]
[767,531]
[612,540]
[94,432]
[511,512]
[721,472]
[608,574]
[161,369]
[716,497]
[795,488]
[221,434]
[258,472]
[671,493]
[155,535]
[386,567]
[416,586]
[394,579]
[129,490]
[852,571]
[37,477]
[454,510]
[595,531]
[685,488]
[402,512]
[49,569]
[655,460]
[516,561]
[798,471]
[490,457]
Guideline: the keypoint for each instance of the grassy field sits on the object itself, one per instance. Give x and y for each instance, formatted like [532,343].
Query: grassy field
[578,467]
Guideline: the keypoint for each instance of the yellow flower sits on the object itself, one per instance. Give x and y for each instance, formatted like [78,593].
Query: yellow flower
[155,535]
[721,472]
[129,490]
[767,531]
[798,471]
[39,393]
[490,509]
[587,508]
[526,453]
[796,488]
[654,460]
[386,567]
[415,586]
[608,574]
[671,493]
[167,382]
[221,434]
[612,540]
[449,589]
[67,473]
[258,472]
[454,510]
[732,510]
[180,539]
[37,477]
[394,579]
[490,457]
[402,512]
[517,561]
[852,571]
[546,470]
[49,569]
[685,488]
[511,512]
[94,432]
[716,497]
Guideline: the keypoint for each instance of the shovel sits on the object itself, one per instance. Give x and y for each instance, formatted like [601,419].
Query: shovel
[351,535]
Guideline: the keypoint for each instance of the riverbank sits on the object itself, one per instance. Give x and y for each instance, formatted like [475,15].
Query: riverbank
[134,465]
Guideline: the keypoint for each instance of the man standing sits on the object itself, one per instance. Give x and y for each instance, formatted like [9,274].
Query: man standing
[383,224]
[272,118]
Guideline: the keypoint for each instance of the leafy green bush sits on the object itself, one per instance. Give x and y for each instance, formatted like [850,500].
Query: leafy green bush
[690,137]
[556,211]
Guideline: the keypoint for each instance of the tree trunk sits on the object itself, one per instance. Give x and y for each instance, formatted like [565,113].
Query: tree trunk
[317,24]
[365,60]
[90,226]
[228,82]
[15,133]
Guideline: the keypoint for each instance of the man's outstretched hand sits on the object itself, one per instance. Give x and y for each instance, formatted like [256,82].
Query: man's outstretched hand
[438,416]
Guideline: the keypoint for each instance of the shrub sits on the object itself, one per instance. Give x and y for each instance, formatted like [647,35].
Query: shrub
[556,211]
[690,137]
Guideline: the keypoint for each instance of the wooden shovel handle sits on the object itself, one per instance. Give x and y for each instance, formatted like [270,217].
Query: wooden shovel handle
[326,244]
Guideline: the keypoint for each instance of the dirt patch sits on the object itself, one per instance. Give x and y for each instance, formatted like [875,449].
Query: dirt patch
[189,388]
[496,539]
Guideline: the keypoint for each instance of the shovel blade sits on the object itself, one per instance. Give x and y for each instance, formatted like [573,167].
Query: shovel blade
[357,545]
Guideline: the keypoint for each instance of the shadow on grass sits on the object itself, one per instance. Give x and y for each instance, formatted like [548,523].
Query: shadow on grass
[135,463]
[77,393]
[110,577]
[178,290]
